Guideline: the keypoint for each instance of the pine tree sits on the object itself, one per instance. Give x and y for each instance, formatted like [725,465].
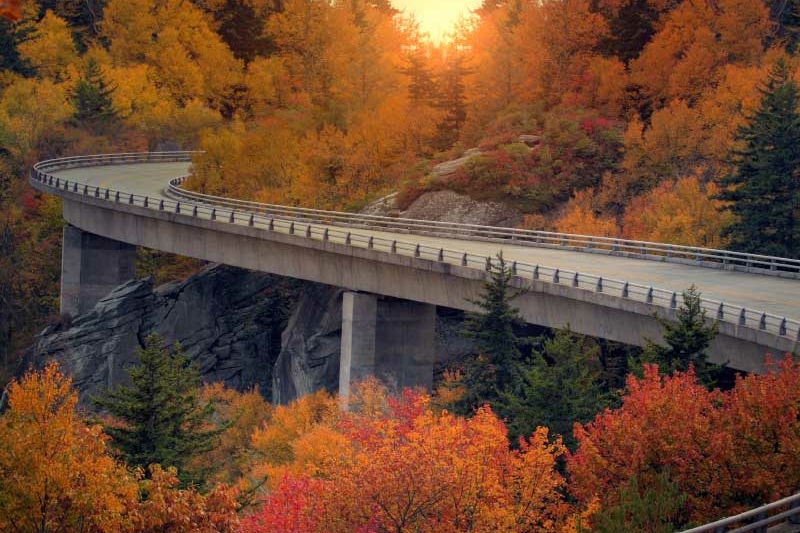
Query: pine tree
[452,101]
[160,418]
[496,343]
[764,192]
[559,385]
[94,108]
[687,341]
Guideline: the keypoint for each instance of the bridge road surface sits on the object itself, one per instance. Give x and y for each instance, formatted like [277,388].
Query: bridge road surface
[779,296]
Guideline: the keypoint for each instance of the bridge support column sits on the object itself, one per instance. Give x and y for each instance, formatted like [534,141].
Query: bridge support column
[390,339]
[91,266]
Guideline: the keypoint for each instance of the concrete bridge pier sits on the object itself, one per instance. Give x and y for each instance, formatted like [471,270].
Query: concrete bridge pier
[91,266]
[390,339]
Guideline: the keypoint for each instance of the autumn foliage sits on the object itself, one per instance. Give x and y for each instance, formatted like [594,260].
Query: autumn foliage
[401,466]
[57,475]
[722,449]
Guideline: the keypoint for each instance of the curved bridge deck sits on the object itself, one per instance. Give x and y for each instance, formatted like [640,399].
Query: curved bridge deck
[771,302]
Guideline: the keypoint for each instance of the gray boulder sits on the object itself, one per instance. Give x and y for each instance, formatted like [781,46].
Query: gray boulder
[226,319]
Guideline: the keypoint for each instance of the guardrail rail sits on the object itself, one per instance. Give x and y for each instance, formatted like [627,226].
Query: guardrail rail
[757,520]
[337,227]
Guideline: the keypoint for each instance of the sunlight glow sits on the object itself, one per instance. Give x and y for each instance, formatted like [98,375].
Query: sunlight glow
[437,17]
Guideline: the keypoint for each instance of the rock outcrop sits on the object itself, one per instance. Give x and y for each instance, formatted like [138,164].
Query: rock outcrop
[227,320]
[448,206]
[230,322]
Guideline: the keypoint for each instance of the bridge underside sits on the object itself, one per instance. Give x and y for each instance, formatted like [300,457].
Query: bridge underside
[414,279]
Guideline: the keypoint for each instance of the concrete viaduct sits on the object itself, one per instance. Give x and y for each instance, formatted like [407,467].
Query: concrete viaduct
[398,270]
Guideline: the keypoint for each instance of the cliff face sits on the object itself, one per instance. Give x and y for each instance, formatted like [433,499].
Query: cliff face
[228,321]
[231,322]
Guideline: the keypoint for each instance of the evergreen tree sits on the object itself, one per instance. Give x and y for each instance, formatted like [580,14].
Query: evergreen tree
[492,368]
[687,341]
[11,35]
[658,509]
[421,87]
[452,101]
[764,192]
[160,417]
[94,108]
[559,385]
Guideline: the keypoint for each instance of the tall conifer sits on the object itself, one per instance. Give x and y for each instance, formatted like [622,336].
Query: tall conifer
[163,420]
[764,192]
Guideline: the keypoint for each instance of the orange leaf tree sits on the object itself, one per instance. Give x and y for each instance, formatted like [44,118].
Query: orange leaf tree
[722,450]
[406,467]
[55,474]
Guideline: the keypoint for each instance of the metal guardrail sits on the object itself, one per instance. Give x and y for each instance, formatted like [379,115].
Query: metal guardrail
[314,224]
[756,520]
[699,256]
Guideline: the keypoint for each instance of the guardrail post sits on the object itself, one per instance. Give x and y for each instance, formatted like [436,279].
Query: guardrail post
[58,184]
[625,291]
[697,257]
[130,199]
[772,265]
[650,295]
[232,219]
[464,261]
[97,192]
[536,272]
[575,281]
[252,221]
[514,268]
[721,311]
[308,231]
[615,247]
[85,190]
[743,317]
[272,224]
[762,324]
[291,229]
[107,193]
[673,303]
[178,207]
[75,187]
[394,247]
[759,517]
[145,201]
[488,264]
[669,251]
[161,205]
[416,251]
[213,213]
[116,196]
[325,235]
[599,287]
[370,243]
[441,255]
[782,328]
[795,518]
[556,277]
[590,244]
[194,211]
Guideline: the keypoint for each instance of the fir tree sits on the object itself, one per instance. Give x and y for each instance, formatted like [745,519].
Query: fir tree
[559,385]
[687,341]
[452,101]
[160,418]
[94,108]
[658,509]
[496,342]
[764,192]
